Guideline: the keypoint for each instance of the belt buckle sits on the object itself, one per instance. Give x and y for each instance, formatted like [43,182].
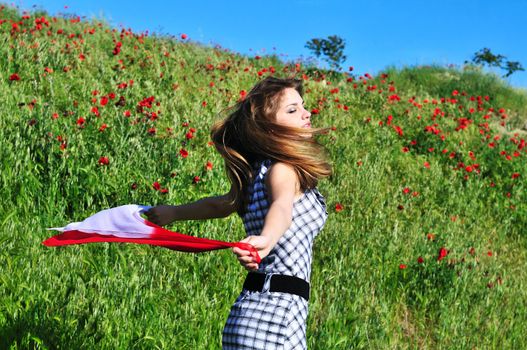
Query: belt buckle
[267,283]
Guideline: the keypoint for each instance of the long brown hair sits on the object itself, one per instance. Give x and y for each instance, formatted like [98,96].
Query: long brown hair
[250,133]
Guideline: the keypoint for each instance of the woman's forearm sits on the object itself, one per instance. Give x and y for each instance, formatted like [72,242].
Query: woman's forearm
[205,208]
[277,221]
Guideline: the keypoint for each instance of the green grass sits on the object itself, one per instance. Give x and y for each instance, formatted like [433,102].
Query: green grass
[125,296]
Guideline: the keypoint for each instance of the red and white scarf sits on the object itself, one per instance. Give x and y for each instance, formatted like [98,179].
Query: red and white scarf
[124,224]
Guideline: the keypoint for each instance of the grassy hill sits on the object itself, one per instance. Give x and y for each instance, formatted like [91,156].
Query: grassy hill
[425,245]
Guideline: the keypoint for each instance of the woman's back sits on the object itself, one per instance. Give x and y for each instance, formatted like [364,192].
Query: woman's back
[292,254]
[276,320]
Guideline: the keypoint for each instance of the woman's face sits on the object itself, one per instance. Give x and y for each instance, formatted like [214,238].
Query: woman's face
[291,110]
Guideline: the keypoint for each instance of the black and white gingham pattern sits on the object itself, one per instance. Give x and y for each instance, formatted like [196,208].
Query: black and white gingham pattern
[274,320]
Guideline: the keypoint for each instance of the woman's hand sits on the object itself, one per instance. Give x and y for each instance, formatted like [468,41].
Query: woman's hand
[261,243]
[161,215]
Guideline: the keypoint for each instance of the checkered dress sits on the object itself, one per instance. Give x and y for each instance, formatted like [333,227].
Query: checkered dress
[275,320]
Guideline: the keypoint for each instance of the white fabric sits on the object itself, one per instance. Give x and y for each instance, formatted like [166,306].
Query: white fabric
[124,221]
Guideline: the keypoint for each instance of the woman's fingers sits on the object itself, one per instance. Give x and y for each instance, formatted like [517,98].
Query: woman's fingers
[251,267]
[240,252]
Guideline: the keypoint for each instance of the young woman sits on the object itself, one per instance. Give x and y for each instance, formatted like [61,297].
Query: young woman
[273,163]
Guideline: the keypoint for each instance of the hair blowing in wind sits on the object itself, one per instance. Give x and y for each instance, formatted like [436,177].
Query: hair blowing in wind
[251,133]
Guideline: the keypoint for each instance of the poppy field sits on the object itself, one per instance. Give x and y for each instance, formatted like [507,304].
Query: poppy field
[425,246]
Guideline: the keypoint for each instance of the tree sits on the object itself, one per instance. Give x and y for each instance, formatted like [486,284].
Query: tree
[512,67]
[486,57]
[331,48]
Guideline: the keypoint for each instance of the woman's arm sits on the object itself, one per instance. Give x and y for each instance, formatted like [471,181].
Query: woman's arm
[282,186]
[205,208]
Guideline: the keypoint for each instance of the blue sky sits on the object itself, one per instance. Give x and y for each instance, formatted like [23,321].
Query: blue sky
[377,33]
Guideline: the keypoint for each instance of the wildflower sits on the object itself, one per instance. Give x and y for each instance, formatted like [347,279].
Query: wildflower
[14,77]
[156,186]
[183,152]
[104,161]
[442,253]
[338,207]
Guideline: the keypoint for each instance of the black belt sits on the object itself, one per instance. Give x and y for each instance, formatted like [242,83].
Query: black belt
[279,283]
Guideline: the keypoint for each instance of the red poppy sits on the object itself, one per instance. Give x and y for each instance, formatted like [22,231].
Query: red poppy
[80,121]
[196,179]
[338,207]
[420,260]
[208,166]
[14,77]
[184,36]
[442,253]
[183,152]
[104,161]
[156,186]
[402,266]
